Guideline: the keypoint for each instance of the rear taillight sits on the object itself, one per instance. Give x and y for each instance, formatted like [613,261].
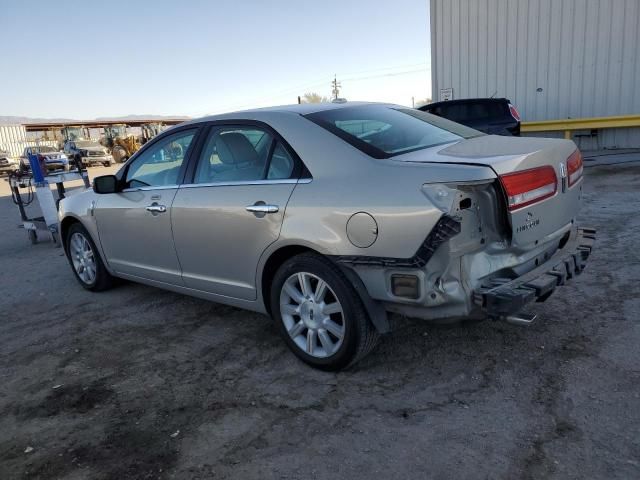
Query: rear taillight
[514,113]
[529,186]
[574,167]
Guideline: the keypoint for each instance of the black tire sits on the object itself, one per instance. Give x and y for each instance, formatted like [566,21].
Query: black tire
[103,279]
[360,336]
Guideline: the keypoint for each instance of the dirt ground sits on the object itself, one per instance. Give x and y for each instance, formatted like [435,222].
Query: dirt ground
[141,383]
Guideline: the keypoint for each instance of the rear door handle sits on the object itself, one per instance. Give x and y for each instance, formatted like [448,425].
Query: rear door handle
[262,208]
[155,208]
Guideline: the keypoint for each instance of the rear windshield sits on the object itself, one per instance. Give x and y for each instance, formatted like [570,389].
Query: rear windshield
[42,149]
[382,131]
[470,111]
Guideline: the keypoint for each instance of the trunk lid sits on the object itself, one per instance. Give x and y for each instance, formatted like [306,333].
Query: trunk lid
[535,223]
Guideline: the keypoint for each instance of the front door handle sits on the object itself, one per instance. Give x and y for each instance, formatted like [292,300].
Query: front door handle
[155,208]
[262,208]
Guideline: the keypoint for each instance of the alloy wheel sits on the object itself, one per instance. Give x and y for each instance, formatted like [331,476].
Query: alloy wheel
[312,314]
[83,258]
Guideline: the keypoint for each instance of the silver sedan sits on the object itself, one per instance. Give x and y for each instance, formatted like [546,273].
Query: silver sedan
[329,217]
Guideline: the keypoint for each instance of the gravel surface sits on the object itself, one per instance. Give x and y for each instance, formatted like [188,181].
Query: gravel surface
[140,383]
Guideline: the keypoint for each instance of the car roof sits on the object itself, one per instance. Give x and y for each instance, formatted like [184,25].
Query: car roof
[298,109]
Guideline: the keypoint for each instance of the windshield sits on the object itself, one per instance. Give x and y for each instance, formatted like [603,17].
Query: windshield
[42,149]
[119,131]
[382,131]
[85,144]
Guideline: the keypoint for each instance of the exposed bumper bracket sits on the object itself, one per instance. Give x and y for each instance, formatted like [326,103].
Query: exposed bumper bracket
[446,228]
[502,297]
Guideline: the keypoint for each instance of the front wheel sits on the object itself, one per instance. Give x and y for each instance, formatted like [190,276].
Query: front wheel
[319,314]
[85,260]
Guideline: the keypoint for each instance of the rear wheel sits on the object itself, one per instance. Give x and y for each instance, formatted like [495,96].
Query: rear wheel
[319,314]
[85,260]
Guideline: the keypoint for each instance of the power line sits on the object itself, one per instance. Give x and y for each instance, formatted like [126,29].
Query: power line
[307,86]
[355,79]
[251,102]
[397,67]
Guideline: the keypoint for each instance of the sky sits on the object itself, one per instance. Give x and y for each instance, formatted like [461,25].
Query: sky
[90,58]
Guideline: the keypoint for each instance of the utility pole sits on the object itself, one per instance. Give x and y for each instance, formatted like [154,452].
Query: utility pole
[336,87]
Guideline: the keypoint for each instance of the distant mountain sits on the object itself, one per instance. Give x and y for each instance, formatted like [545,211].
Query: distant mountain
[8,119]
[142,117]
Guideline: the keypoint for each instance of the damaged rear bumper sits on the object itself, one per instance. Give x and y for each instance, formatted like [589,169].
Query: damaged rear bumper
[500,297]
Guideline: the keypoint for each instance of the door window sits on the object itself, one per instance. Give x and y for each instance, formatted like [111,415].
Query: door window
[160,164]
[281,165]
[242,154]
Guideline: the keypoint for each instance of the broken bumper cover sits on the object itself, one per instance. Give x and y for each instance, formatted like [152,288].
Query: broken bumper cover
[504,296]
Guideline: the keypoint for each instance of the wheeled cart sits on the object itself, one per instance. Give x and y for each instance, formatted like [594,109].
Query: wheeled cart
[48,221]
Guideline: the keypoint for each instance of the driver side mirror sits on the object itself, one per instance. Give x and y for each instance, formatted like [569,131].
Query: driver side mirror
[105,184]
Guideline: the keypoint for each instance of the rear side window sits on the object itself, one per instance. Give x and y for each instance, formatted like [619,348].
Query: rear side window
[243,154]
[383,132]
[281,165]
[235,154]
[464,112]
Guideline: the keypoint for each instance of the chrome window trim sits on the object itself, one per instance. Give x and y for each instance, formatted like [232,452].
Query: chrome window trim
[247,182]
[145,189]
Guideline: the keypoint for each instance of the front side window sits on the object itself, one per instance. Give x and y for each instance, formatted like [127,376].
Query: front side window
[160,164]
[242,154]
[383,132]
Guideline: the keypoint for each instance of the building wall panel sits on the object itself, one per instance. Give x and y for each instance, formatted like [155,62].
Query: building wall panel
[14,139]
[554,59]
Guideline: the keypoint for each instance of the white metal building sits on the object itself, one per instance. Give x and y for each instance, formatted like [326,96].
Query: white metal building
[14,139]
[553,59]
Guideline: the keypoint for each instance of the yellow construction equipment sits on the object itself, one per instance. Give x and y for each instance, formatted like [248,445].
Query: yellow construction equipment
[149,130]
[121,143]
